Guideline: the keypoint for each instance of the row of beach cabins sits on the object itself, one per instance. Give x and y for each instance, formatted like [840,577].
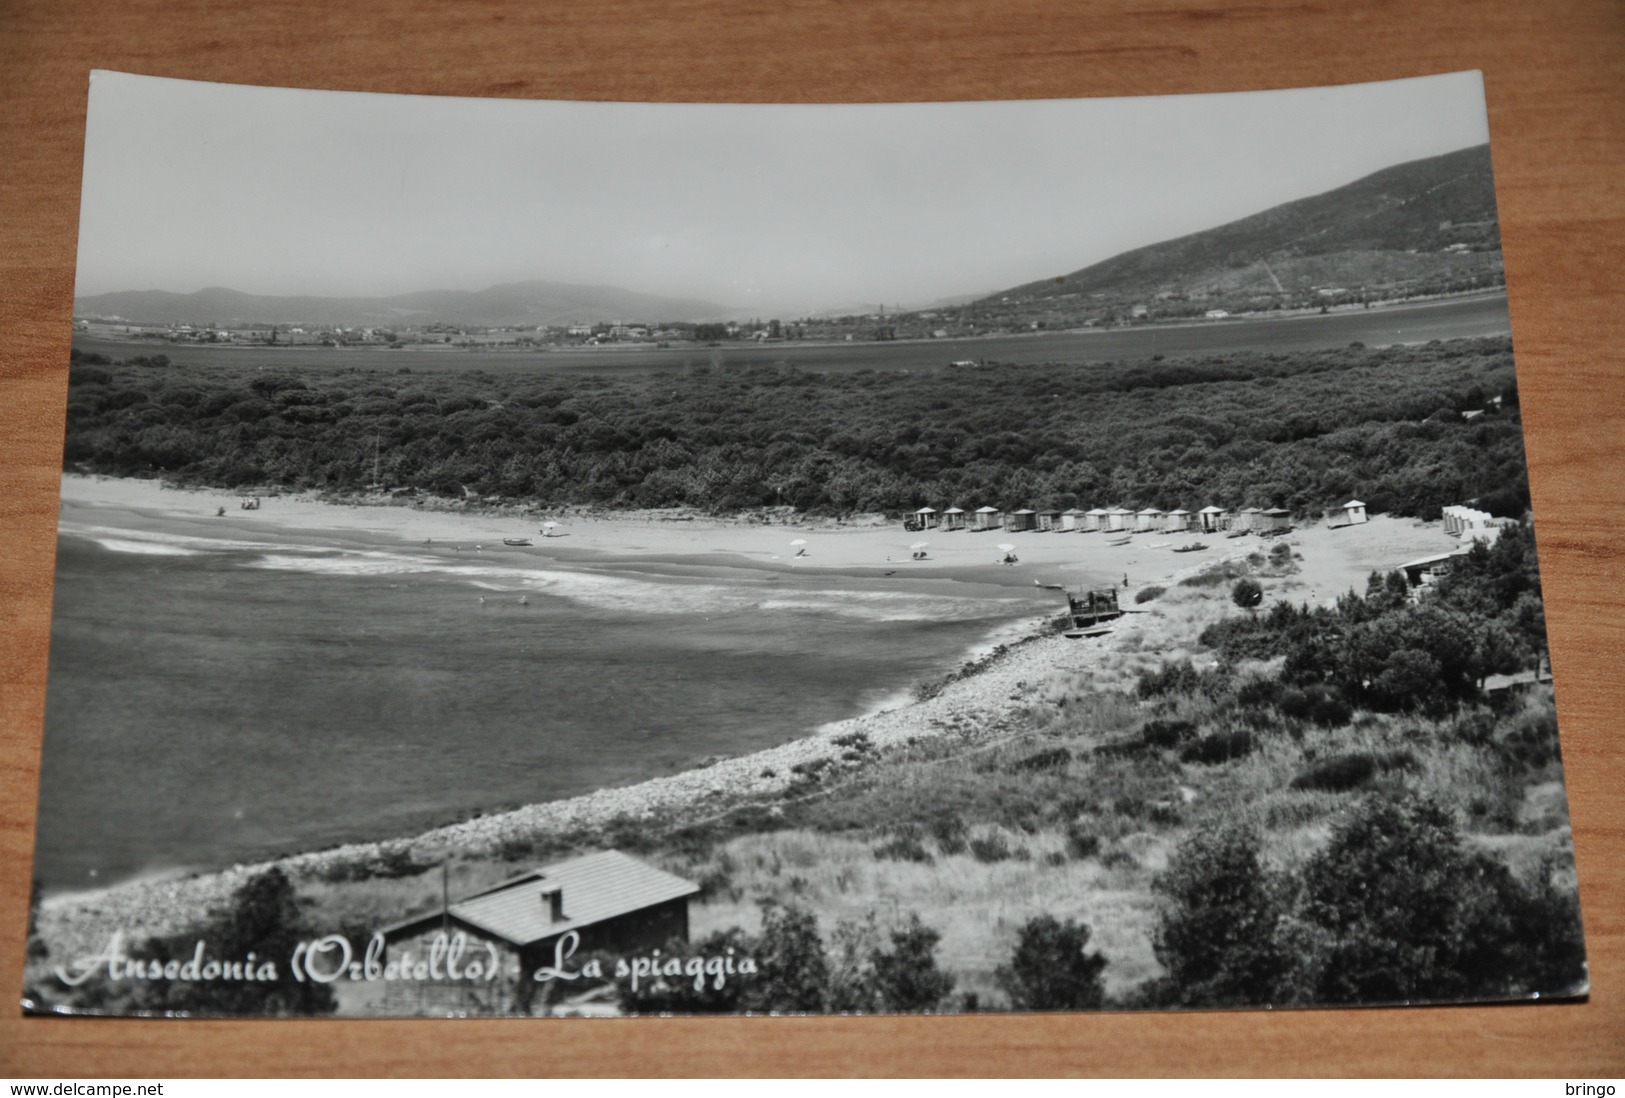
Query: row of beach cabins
[1120,520]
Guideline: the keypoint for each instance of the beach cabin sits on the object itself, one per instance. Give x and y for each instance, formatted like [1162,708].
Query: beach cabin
[1353,513]
[953,519]
[1213,519]
[1049,520]
[1149,519]
[1119,519]
[1424,571]
[1247,518]
[491,943]
[986,518]
[926,518]
[1177,520]
[1095,519]
[1072,519]
[1276,520]
[1021,520]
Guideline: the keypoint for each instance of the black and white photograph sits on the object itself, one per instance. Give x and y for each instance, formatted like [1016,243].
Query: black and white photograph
[534,558]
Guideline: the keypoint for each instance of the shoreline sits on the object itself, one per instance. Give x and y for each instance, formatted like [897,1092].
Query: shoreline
[1006,670]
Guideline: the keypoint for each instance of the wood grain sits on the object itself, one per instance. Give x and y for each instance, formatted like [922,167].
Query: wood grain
[1555,75]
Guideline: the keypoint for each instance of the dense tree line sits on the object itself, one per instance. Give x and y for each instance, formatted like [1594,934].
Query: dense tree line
[1302,431]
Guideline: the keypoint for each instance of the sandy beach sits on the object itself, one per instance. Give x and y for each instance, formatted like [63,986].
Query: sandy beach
[1330,562]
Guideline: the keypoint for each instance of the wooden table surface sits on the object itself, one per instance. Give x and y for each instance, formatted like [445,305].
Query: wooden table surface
[1555,78]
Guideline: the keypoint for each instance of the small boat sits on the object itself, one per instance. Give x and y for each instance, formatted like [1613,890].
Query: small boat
[515,541]
[1050,586]
[1193,547]
[1118,541]
[1078,634]
[1237,534]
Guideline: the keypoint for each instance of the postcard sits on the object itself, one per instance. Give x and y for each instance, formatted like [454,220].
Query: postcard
[567,559]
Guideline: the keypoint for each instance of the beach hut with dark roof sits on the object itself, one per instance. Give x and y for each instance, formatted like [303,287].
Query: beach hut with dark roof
[1049,520]
[1247,518]
[1022,519]
[1213,519]
[986,518]
[953,519]
[609,901]
[1273,521]
[1176,520]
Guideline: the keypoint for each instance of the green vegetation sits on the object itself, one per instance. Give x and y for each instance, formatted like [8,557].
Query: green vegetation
[1300,431]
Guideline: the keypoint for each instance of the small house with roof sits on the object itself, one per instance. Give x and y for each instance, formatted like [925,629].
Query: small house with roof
[1148,519]
[1213,519]
[1247,518]
[1095,519]
[1119,519]
[1049,520]
[987,518]
[1176,520]
[926,518]
[1353,513]
[1275,520]
[611,902]
[953,518]
[1072,519]
[1022,519]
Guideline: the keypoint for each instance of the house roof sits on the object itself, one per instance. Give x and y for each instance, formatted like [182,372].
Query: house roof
[954,511]
[926,511]
[1025,511]
[1276,511]
[594,887]
[1151,511]
[1211,511]
[1179,511]
[1354,503]
[1098,511]
[987,510]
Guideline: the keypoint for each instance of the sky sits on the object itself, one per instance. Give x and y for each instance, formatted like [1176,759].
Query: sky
[782,209]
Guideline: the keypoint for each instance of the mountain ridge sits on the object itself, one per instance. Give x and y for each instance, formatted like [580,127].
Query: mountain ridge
[508,304]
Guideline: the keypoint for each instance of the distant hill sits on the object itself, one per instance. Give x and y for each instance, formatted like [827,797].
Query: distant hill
[512,304]
[1423,221]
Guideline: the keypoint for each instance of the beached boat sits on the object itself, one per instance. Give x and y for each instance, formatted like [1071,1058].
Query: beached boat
[1079,634]
[515,541]
[1237,534]
[1119,541]
[1193,547]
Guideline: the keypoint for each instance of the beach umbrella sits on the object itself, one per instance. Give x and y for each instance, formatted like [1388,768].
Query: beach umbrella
[1006,547]
[799,541]
[919,545]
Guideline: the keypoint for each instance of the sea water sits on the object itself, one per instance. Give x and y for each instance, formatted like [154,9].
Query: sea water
[214,701]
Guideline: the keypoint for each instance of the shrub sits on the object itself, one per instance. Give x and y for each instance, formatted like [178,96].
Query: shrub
[1054,758]
[1146,594]
[1217,933]
[1081,842]
[990,848]
[1247,593]
[793,970]
[1051,967]
[907,977]
[1218,747]
[1351,769]
[1167,733]
[904,848]
[949,831]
